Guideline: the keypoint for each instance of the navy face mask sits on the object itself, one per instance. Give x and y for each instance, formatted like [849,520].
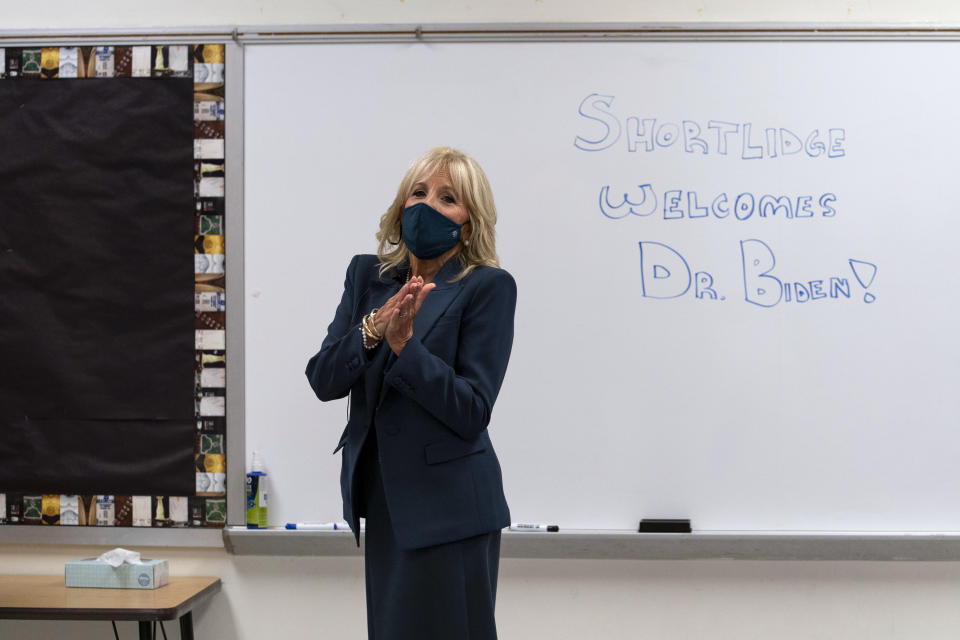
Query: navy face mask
[427,232]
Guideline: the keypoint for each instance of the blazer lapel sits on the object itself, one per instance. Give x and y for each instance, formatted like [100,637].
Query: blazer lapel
[433,307]
[437,300]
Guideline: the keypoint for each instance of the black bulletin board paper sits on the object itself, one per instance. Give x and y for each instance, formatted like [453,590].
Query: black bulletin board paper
[96,286]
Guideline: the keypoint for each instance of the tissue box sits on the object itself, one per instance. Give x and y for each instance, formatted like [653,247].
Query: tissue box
[96,573]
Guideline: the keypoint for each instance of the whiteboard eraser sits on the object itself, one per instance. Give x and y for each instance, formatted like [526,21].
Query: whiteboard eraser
[664,526]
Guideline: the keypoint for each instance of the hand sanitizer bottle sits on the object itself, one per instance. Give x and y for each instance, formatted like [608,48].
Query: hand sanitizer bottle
[256,494]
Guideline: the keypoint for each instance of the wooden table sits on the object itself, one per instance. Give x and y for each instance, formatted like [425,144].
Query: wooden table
[24,597]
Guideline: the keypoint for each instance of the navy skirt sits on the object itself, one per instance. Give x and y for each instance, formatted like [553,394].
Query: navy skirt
[443,592]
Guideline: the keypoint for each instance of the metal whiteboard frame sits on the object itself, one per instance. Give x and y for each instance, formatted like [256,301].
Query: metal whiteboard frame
[629,545]
[604,32]
[941,546]
[500,32]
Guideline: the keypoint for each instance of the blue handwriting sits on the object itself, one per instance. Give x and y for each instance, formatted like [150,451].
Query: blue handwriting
[666,274]
[603,128]
[678,204]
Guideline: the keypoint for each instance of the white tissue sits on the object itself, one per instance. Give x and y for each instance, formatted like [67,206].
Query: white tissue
[116,557]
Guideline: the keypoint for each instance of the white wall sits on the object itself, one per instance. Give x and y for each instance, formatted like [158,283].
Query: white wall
[323,597]
[67,14]
[719,600]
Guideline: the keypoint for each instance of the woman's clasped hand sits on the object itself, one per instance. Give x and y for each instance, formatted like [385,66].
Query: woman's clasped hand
[394,320]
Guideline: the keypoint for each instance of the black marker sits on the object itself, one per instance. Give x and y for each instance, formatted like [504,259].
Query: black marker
[529,526]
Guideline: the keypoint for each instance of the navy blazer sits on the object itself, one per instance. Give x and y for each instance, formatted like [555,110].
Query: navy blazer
[441,477]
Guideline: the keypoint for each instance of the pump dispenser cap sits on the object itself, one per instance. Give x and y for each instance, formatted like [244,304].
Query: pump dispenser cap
[256,463]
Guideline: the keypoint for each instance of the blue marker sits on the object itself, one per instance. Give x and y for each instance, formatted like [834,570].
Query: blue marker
[318,526]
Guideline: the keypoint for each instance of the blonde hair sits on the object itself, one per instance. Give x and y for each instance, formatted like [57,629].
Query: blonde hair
[471,186]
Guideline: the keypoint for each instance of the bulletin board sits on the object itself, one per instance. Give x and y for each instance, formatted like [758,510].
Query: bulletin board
[113,389]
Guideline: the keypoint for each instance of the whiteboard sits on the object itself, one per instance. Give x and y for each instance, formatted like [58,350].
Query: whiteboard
[734,260]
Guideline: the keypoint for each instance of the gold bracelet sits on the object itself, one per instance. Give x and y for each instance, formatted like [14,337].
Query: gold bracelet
[365,323]
[370,336]
[371,325]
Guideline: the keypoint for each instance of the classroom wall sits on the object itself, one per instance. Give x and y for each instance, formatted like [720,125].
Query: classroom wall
[323,597]
[582,599]
[66,14]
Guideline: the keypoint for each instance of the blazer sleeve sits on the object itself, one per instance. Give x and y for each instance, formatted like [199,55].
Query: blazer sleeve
[462,396]
[342,358]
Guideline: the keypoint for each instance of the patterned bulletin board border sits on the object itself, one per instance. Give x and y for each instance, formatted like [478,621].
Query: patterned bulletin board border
[205,64]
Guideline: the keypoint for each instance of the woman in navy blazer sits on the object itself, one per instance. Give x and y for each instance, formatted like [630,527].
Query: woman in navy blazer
[420,342]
